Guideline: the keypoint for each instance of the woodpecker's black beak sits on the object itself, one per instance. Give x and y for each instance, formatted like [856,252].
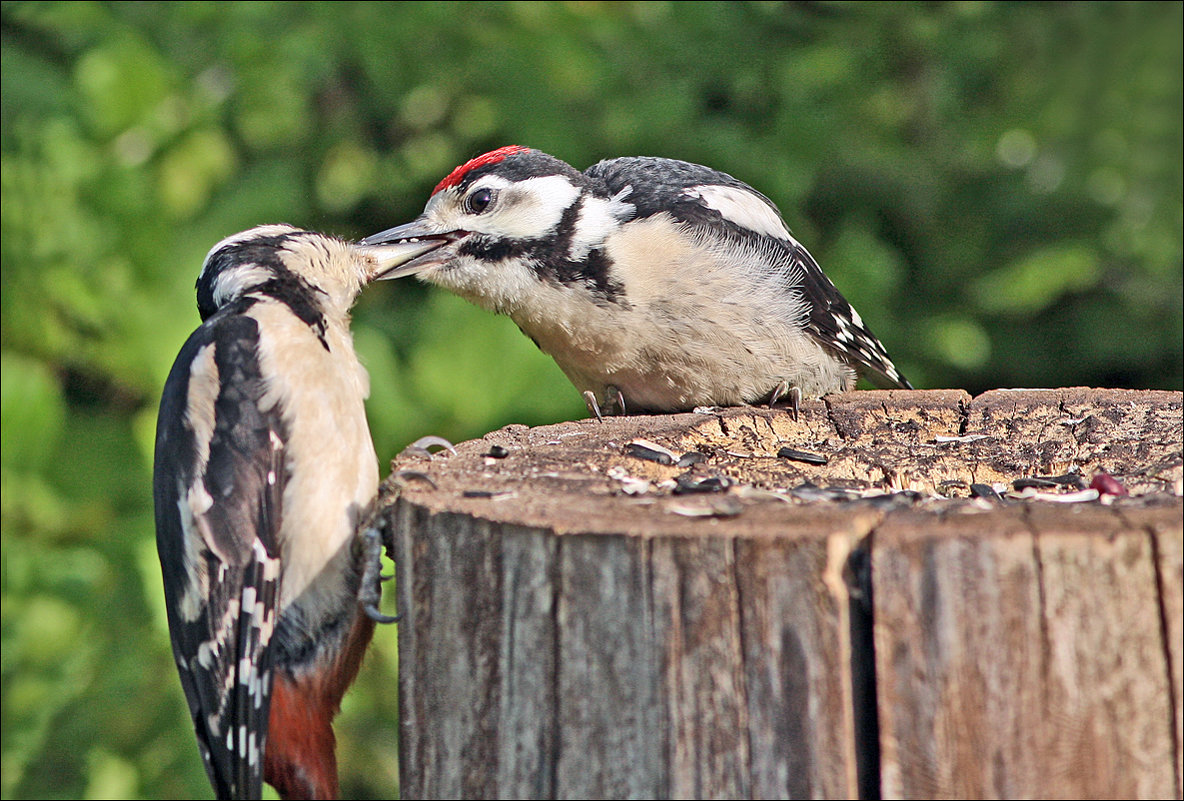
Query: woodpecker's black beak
[410,247]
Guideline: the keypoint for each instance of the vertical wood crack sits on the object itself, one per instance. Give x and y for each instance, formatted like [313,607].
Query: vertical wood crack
[742,660]
[556,743]
[1165,641]
[861,619]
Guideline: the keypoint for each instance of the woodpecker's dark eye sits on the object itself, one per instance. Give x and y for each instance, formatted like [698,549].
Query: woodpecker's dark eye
[479,201]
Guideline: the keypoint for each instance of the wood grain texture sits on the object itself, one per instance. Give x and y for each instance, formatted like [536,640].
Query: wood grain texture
[798,666]
[578,624]
[1026,660]
[697,620]
[1109,726]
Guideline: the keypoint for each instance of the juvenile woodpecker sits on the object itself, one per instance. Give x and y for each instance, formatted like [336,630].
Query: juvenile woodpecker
[264,470]
[654,283]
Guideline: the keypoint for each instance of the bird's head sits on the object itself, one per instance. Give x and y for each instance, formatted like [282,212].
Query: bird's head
[288,263]
[500,222]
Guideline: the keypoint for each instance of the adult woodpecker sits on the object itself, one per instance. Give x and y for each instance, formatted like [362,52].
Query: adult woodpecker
[654,283]
[264,471]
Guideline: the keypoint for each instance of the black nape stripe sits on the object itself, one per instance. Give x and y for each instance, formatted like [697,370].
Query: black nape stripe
[284,285]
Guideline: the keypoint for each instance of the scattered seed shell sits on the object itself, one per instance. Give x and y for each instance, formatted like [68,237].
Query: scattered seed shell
[629,484]
[794,455]
[1073,480]
[1034,482]
[941,440]
[1081,496]
[687,484]
[651,451]
[1107,484]
[491,494]
[984,491]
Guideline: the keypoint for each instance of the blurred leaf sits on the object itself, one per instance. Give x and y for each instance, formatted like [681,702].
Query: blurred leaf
[1039,280]
[192,169]
[960,342]
[32,412]
[121,82]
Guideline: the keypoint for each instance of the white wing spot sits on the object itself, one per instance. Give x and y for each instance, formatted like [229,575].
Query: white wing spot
[597,219]
[743,208]
[205,655]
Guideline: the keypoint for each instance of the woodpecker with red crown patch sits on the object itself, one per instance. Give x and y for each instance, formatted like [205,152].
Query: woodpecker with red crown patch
[656,285]
[264,473]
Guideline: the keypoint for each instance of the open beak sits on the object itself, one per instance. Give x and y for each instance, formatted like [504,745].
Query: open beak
[404,250]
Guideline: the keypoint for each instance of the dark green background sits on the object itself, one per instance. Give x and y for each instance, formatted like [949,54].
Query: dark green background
[995,187]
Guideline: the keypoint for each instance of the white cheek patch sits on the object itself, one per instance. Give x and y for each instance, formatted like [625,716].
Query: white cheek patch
[232,283]
[527,209]
[597,219]
[259,231]
[742,208]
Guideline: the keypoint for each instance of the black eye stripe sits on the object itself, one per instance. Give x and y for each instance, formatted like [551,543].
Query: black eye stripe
[479,201]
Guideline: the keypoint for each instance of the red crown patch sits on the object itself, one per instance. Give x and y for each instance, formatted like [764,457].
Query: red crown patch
[492,157]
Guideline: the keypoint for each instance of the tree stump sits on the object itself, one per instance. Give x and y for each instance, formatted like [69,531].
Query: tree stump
[920,596]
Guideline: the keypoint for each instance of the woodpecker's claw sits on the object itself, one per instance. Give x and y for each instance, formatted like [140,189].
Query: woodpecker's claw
[792,394]
[593,406]
[616,395]
[421,445]
[614,402]
[379,617]
[370,587]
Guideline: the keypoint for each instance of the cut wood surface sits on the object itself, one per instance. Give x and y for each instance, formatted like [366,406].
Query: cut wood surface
[583,620]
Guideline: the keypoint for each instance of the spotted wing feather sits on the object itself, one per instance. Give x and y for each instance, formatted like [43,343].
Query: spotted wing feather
[218,491]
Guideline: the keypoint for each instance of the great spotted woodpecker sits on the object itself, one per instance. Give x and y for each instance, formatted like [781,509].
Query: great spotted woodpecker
[264,471]
[653,283]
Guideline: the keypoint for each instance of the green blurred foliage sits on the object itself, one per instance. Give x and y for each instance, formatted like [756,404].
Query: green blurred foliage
[996,187]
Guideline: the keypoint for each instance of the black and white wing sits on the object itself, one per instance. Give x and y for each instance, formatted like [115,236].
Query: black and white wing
[725,208]
[218,485]
[840,328]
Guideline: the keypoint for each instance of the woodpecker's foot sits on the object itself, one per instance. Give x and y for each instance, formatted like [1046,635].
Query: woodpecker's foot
[370,589]
[420,446]
[614,402]
[793,396]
